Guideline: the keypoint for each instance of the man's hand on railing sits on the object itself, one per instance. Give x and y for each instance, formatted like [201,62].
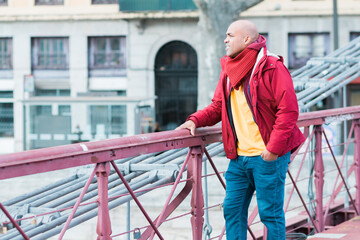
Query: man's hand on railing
[190,125]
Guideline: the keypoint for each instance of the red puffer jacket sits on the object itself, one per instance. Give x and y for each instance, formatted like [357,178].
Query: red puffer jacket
[274,106]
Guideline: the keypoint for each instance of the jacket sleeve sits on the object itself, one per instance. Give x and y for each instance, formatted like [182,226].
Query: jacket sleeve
[211,114]
[287,109]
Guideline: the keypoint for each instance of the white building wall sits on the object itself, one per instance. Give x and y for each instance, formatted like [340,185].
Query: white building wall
[142,48]
[77,63]
[347,24]
[78,33]
[278,28]
[21,67]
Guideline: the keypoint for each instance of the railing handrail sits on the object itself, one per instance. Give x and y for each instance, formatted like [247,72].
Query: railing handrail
[328,116]
[61,157]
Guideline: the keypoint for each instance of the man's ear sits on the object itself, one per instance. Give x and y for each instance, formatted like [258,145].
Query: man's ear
[247,40]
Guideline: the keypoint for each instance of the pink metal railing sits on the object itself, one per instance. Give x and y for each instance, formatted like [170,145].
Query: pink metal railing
[103,153]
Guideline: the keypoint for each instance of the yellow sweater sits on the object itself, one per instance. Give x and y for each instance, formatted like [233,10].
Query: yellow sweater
[250,142]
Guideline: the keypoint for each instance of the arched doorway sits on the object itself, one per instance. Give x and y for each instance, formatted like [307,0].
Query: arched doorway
[175,84]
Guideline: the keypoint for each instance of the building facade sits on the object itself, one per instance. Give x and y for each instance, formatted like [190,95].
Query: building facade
[83,70]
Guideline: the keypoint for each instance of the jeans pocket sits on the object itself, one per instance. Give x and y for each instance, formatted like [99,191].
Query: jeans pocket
[268,167]
[269,161]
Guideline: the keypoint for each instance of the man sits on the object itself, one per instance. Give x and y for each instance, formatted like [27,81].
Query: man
[256,102]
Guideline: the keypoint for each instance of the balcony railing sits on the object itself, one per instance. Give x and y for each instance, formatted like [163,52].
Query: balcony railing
[5,61]
[108,61]
[156,5]
[51,61]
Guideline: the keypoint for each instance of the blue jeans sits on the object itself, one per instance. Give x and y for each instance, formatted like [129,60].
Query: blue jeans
[243,177]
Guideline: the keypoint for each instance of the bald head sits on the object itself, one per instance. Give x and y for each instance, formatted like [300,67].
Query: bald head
[239,35]
[247,28]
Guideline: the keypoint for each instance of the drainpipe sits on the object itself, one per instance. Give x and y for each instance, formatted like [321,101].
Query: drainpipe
[344,90]
[335,25]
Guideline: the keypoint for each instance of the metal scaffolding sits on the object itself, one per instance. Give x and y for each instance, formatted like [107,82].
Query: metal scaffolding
[321,77]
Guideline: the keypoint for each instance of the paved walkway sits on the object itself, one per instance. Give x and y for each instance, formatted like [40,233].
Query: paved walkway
[349,230]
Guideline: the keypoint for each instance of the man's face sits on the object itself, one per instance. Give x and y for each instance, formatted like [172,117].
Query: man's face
[235,41]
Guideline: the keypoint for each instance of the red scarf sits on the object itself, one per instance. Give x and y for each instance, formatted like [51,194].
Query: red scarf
[239,67]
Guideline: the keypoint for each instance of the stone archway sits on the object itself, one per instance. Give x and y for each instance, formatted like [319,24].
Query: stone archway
[176,84]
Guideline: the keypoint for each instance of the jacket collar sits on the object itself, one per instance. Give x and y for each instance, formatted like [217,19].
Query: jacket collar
[261,60]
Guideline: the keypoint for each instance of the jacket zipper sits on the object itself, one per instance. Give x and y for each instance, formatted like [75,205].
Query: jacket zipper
[231,120]
[249,100]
